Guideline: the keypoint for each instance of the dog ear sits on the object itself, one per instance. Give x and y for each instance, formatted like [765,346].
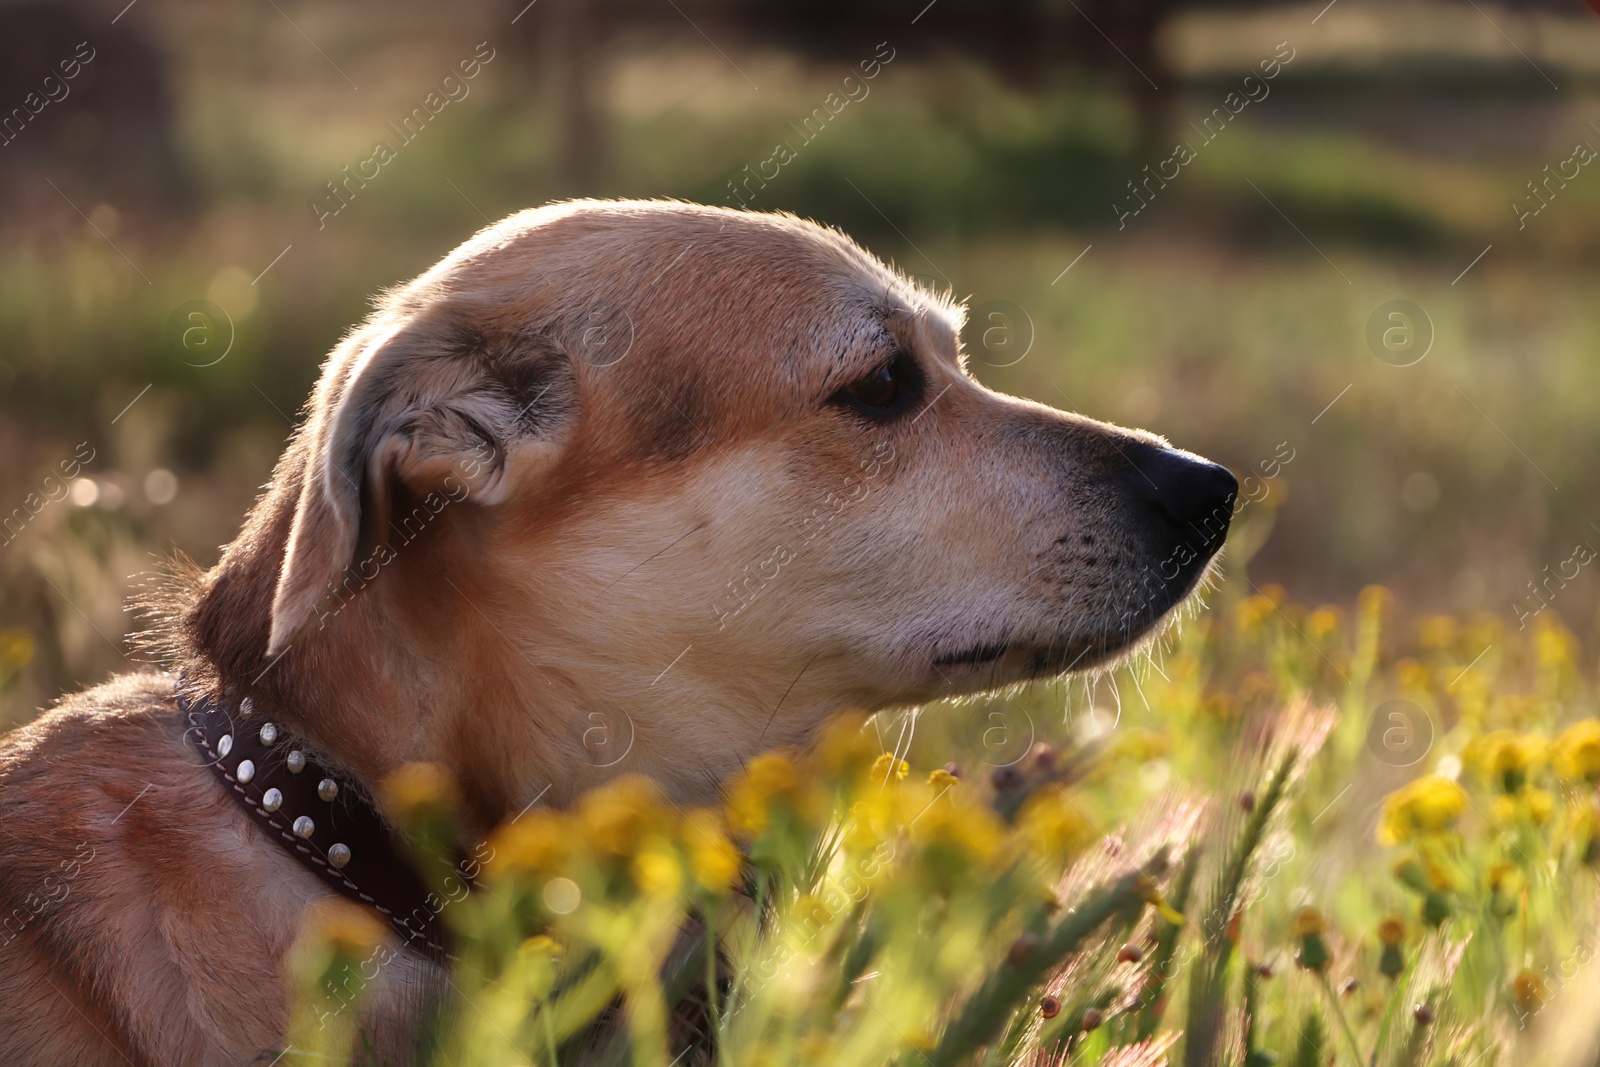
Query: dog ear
[427,410]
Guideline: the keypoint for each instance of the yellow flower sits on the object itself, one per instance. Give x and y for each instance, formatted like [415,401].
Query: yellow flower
[16,650]
[1429,805]
[969,827]
[1308,922]
[769,780]
[1252,611]
[1486,628]
[1439,631]
[415,789]
[1541,805]
[1051,824]
[538,841]
[810,910]
[1505,758]
[1555,643]
[1322,622]
[656,870]
[1517,709]
[1537,804]
[1141,746]
[942,779]
[869,822]
[1576,753]
[1505,879]
[713,861]
[886,765]
[335,937]
[619,815]
[843,749]
[1503,810]
[1413,675]
[1392,930]
[1439,878]
[343,928]
[1582,820]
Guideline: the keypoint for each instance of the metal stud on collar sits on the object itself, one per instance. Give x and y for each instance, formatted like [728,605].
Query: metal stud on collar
[252,753]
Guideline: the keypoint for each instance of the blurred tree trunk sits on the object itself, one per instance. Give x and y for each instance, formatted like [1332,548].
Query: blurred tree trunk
[576,37]
[557,46]
[1130,28]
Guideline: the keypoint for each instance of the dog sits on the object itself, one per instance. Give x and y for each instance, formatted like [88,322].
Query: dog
[614,487]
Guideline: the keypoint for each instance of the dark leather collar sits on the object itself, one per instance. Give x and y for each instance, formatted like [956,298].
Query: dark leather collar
[316,813]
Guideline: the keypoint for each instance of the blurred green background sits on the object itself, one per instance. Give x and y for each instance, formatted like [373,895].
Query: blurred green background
[168,289]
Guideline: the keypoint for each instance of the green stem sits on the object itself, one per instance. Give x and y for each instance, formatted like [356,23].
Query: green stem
[549,1032]
[1154,995]
[1338,1013]
[991,1005]
[712,1011]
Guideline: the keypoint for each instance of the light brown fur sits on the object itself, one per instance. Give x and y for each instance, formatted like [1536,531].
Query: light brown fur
[622,528]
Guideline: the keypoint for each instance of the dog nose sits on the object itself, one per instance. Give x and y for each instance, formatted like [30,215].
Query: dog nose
[1193,494]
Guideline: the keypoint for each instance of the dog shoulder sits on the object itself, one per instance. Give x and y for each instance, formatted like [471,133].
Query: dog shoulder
[110,829]
[63,779]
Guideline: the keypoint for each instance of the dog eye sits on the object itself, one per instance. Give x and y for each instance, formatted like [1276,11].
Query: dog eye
[886,390]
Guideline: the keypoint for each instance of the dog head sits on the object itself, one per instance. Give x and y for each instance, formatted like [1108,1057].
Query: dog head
[650,486]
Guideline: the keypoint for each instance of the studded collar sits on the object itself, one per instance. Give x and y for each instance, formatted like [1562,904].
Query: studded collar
[315,812]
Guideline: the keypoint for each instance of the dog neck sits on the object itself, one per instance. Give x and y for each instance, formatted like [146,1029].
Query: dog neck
[407,667]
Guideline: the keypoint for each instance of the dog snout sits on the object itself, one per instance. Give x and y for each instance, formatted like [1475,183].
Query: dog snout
[1189,494]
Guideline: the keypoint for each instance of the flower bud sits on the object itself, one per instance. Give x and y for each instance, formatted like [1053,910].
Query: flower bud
[1308,927]
[1022,948]
[1391,934]
[1006,779]
[1527,989]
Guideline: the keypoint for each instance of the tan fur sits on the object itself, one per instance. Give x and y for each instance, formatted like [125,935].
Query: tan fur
[660,549]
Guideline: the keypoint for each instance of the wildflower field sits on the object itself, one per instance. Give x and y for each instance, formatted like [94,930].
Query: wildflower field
[1282,836]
